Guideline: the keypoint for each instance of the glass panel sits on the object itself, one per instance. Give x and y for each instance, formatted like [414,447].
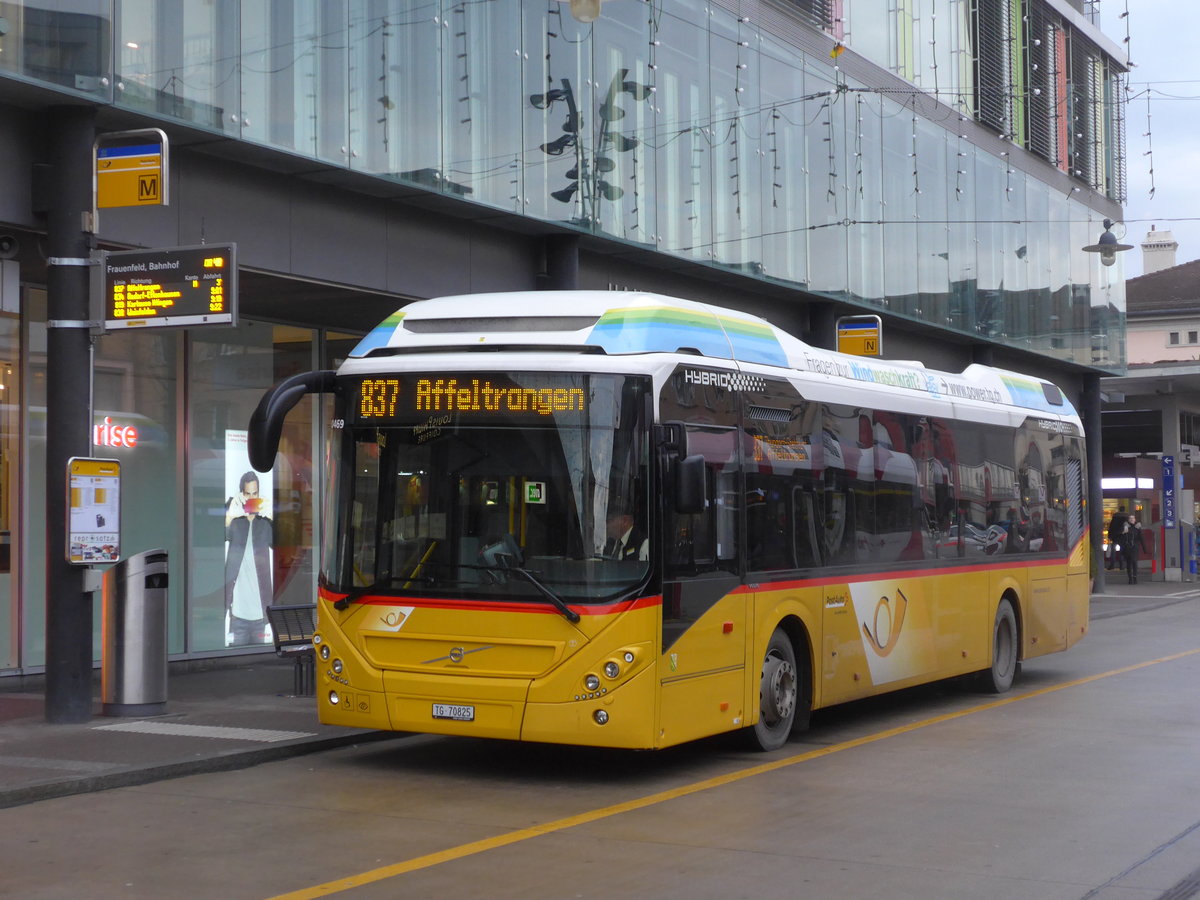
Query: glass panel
[33,524]
[870,29]
[1012,250]
[1043,321]
[10,483]
[396,96]
[990,211]
[784,187]
[135,388]
[737,128]
[865,239]
[826,171]
[899,201]
[557,99]
[482,81]
[67,45]
[251,533]
[960,210]
[282,47]
[622,164]
[684,138]
[181,60]
[933,241]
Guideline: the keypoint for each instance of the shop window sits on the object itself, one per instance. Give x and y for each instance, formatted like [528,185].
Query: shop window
[251,532]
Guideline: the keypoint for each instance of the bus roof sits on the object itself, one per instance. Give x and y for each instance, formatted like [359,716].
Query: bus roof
[618,323]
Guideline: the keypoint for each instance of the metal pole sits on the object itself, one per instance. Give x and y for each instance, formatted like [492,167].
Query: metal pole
[71,132]
[1090,412]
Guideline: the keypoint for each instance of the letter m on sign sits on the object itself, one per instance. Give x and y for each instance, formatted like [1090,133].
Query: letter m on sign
[148,189]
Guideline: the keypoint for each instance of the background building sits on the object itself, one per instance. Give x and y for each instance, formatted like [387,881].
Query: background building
[1153,409]
[938,162]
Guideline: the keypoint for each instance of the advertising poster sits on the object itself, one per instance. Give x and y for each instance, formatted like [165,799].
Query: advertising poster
[94,505]
[249,542]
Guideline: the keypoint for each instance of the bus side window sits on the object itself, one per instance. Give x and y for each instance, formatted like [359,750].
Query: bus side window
[806,515]
[707,541]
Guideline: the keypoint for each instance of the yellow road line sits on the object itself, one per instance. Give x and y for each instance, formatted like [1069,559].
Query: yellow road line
[514,837]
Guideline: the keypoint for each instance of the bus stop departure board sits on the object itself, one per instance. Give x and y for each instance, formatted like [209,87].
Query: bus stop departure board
[180,286]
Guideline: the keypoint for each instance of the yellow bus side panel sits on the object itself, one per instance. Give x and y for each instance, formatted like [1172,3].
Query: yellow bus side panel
[1049,616]
[1079,592]
[702,675]
[701,705]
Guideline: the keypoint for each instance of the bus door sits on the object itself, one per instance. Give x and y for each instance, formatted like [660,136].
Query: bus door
[701,670]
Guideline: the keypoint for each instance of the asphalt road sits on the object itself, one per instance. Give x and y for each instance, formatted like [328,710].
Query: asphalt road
[1081,783]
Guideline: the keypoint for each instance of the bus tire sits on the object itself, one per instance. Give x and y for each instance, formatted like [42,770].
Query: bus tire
[1005,644]
[778,694]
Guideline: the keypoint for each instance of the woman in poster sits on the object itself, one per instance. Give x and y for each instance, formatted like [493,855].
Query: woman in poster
[248,590]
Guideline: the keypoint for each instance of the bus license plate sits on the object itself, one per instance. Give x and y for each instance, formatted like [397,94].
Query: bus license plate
[451,711]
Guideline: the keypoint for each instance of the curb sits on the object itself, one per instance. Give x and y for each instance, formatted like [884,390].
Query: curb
[224,762]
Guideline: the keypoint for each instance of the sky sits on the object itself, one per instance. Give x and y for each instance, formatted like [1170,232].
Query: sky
[1164,84]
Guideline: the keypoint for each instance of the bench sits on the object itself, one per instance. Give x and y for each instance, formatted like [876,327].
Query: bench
[292,630]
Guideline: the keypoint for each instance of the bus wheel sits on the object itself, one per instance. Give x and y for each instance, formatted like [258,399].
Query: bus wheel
[778,690]
[1005,666]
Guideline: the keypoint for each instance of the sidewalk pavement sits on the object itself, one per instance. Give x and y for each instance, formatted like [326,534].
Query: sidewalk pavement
[237,712]
[222,714]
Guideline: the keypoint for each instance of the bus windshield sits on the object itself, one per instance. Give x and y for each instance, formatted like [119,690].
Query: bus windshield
[529,487]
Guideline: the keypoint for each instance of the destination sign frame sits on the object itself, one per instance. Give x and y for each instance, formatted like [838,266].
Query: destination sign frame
[173,287]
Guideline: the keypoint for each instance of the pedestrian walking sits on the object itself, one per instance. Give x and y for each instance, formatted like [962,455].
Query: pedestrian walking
[1131,546]
[1115,526]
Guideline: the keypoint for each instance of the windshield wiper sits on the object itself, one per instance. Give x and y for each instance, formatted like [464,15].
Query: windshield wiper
[386,581]
[558,602]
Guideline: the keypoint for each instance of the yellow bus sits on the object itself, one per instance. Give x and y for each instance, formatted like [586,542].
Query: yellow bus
[629,520]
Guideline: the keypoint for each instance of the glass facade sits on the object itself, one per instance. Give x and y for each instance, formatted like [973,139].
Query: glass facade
[704,131]
[675,125]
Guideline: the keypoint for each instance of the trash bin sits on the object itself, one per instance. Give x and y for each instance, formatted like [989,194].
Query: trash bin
[133,662]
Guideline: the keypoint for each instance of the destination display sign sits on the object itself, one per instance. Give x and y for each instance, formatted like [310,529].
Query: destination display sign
[180,286]
[429,402]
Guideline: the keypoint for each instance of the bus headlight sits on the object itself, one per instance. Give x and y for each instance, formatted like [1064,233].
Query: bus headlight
[611,670]
[334,699]
[324,651]
[628,656]
[337,667]
[592,682]
[601,716]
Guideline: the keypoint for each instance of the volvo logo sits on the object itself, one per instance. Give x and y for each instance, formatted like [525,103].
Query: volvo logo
[456,655]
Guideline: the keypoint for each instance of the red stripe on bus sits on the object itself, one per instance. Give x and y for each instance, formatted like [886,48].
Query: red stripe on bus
[498,606]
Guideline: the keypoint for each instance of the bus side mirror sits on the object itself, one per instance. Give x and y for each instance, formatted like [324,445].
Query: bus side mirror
[266,422]
[689,485]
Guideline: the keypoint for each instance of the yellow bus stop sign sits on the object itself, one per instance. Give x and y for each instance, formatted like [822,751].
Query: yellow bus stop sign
[131,169]
[860,335]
